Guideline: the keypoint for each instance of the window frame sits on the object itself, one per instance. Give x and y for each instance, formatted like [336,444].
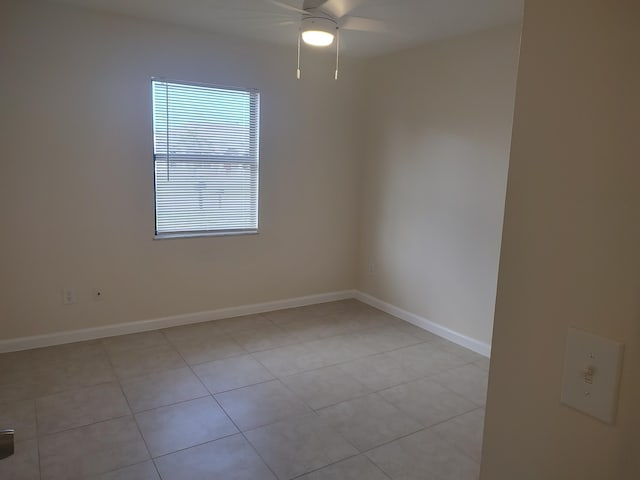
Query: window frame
[254,145]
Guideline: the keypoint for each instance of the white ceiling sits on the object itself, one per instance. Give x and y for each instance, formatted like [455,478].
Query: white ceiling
[409,22]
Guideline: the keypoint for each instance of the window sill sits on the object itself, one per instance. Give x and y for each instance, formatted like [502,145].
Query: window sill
[173,236]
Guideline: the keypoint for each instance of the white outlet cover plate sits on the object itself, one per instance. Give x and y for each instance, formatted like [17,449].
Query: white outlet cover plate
[599,398]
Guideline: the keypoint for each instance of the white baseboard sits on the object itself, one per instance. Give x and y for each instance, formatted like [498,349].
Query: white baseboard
[37,341]
[59,338]
[421,322]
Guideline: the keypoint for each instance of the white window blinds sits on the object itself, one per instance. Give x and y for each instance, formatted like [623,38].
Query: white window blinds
[205,142]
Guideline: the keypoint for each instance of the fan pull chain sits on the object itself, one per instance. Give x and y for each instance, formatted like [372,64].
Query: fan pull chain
[337,52]
[299,36]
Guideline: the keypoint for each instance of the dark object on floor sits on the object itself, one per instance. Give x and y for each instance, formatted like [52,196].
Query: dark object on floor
[6,443]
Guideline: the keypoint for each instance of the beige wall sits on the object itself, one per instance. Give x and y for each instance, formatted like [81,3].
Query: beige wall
[437,149]
[570,249]
[76,184]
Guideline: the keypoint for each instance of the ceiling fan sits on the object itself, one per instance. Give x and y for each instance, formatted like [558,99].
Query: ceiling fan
[321,20]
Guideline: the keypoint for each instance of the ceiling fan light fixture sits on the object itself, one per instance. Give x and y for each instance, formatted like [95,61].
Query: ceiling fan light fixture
[317,38]
[318,31]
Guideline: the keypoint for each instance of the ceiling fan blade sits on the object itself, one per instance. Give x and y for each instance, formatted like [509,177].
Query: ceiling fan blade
[286,6]
[309,4]
[363,24]
[284,24]
[340,8]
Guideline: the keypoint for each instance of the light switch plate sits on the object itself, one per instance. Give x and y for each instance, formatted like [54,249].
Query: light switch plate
[592,367]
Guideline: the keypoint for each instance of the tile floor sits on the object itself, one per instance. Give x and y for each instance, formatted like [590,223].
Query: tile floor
[332,391]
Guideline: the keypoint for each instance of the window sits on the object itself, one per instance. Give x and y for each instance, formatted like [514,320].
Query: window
[205,153]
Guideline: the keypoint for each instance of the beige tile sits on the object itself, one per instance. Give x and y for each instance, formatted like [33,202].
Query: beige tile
[379,371]
[265,338]
[417,332]
[291,359]
[463,353]
[325,386]
[141,471]
[205,348]
[383,339]
[231,373]
[172,428]
[354,468]
[19,379]
[369,421]
[76,408]
[230,458]
[331,308]
[299,445]
[21,417]
[314,328]
[195,330]
[16,363]
[366,317]
[23,464]
[464,433]
[136,362]
[61,355]
[135,341]
[340,307]
[261,404]
[422,456]
[338,349]
[91,450]
[162,388]
[55,379]
[238,324]
[468,381]
[426,359]
[427,401]
[288,315]
[483,364]
[18,387]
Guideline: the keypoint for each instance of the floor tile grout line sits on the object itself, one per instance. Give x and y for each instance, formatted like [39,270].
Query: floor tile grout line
[328,465]
[179,402]
[364,452]
[246,352]
[35,408]
[119,380]
[297,477]
[35,414]
[312,413]
[182,449]
[110,419]
[76,427]
[135,420]
[431,374]
[337,363]
[238,388]
[311,410]
[372,391]
[246,439]
[230,419]
[296,417]
[154,372]
[360,452]
[451,444]
[133,413]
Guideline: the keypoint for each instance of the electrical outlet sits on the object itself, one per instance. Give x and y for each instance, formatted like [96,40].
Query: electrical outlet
[98,294]
[371,269]
[68,296]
